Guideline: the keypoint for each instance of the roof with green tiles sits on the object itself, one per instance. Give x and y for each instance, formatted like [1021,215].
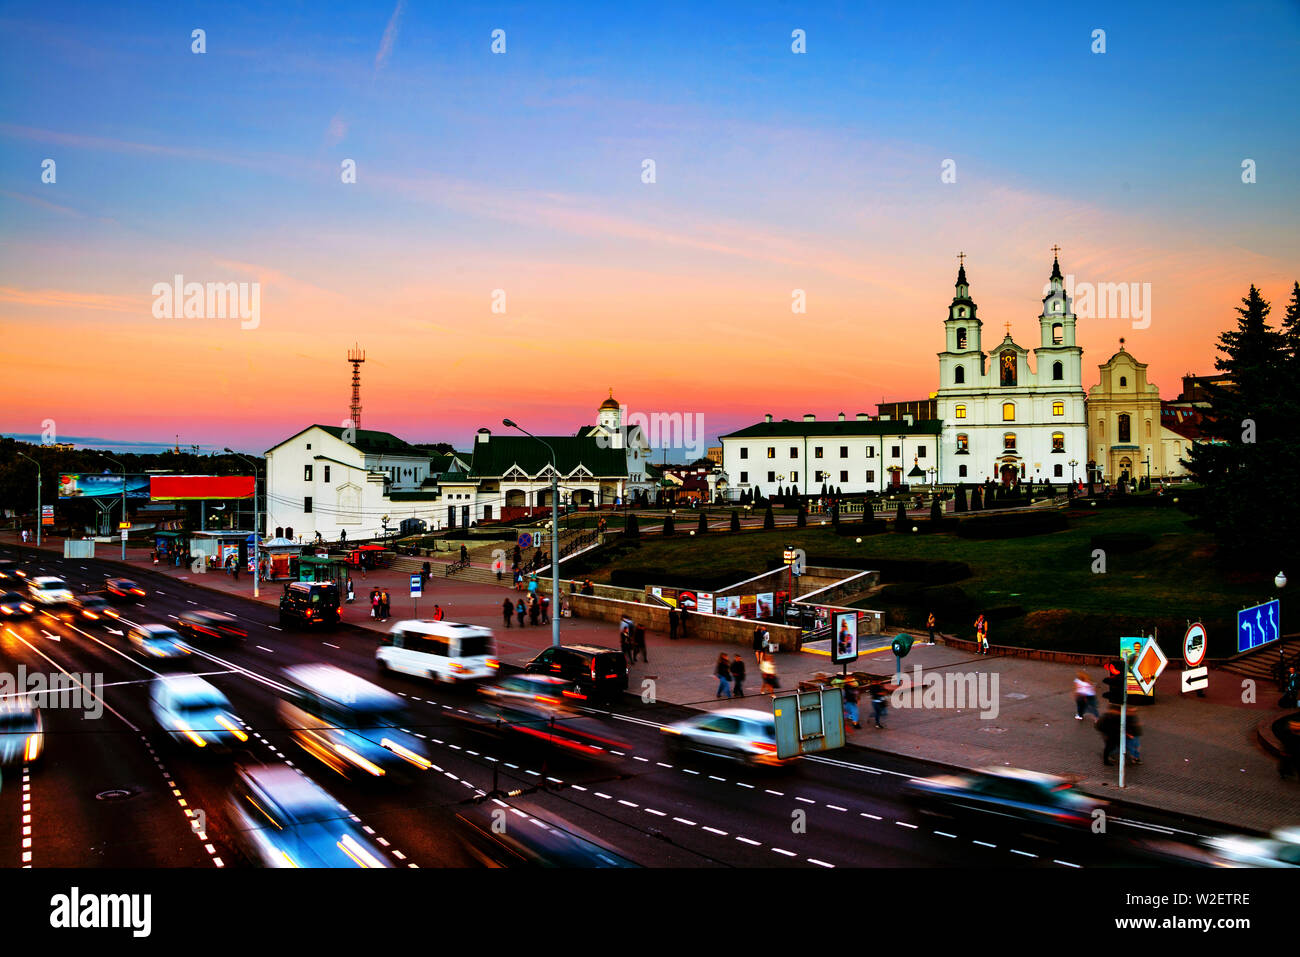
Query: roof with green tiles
[500,453]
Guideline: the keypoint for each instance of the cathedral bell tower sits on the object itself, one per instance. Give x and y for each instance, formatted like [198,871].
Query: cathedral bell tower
[962,361]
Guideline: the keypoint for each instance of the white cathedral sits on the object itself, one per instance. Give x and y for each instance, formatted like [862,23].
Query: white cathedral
[1002,420]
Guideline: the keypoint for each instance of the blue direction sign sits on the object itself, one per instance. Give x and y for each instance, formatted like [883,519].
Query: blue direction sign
[415,586]
[1259,625]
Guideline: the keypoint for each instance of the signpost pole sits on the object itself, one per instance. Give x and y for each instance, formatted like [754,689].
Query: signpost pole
[40,516]
[1123,719]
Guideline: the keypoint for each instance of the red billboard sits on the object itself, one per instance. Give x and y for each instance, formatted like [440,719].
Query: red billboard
[164,488]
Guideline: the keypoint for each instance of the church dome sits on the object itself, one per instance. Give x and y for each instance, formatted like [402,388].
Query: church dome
[610,404]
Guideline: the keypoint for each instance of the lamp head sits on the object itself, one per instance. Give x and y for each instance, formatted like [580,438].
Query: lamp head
[508,424]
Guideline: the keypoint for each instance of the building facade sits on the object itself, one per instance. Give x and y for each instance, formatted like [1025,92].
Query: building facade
[1005,419]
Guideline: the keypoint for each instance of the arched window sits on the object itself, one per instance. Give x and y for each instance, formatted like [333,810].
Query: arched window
[961,312]
[961,338]
[1124,429]
[1058,408]
[961,471]
[279,531]
[959,375]
[959,412]
[963,444]
[1148,428]
[1123,382]
[1008,412]
[1058,333]
[1058,372]
[1009,441]
[1058,441]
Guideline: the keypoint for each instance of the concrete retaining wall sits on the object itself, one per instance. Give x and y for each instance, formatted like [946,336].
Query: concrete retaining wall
[734,631]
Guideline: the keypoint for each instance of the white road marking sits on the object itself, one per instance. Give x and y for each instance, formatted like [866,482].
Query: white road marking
[714,830]
[746,840]
[983,844]
[264,648]
[1064,863]
[683,820]
[905,824]
[1021,853]
[779,850]
[813,860]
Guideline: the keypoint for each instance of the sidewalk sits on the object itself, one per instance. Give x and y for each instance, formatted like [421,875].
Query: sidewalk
[1200,756]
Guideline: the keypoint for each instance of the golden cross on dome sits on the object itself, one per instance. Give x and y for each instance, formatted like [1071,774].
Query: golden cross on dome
[961,258]
[1056,250]
[1008,329]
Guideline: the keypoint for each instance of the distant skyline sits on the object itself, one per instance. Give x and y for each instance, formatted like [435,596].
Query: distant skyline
[522,171]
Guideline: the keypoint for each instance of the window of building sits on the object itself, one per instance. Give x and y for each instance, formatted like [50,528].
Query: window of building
[771,452]
[1058,408]
[1008,412]
[771,476]
[961,339]
[1009,441]
[308,446]
[959,412]
[961,471]
[896,451]
[1148,428]
[1125,429]
[817,451]
[1056,471]
[844,451]
[327,473]
[844,476]
[1058,441]
[744,478]
[871,475]
[963,444]
[1058,371]
[306,473]
[959,375]
[871,451]
[1101,426]
[794,451]
[794,477]
[1058,333]
[819,476]
[1123,382]
[306,503]
[920,451]
[744,452]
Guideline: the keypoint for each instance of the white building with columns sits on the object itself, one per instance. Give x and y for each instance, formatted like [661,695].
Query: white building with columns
[1004,418]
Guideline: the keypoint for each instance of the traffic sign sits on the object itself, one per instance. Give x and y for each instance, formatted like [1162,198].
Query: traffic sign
[123,524]
[1194,679]
[1259,625]
[1147,666]
[47,514]
[525,540]
[1194,644]
[415,586]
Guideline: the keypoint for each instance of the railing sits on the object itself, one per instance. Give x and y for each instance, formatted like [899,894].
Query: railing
[454,567]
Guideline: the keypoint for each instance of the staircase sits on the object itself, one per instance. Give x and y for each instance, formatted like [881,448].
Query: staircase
[1265,663]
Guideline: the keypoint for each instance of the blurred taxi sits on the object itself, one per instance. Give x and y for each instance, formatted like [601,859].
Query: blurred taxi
[283,819]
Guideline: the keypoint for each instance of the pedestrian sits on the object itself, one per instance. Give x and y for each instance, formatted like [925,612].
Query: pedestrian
[437,612]
[1085,697]
[25,542]
[507,608]
[851,715]
[234,569]
[638,643]
[520,611]
[532,585]
[758,643]
[519,580]
[1108,727]
[546,610]
[384,603]
[878,703]
[464,554]
[534,610]
[1133,734]
[767,668]
[153,554]
[672,624]
[769,645]
[737,677]
[374,603]
[350,595]
[625,638]
[929,623]
[685,612]
[722,671]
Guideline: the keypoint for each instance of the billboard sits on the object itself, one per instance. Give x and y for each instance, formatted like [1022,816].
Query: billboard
[86,485]
[844,648]
[174,488]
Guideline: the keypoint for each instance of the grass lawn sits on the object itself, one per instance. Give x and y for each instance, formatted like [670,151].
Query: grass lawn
[1178,578]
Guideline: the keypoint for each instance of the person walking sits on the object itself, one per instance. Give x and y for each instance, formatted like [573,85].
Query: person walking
[464,554]
[638,643]
[534,609]
[1085,697]
[758,643]
[625,638]
[722,670]
[507,609]
[929,623]
[672,624]
[767,668]
[737,677]
[384,606]
[851,715]
[437,612]
[520,612]
[234,568]
[685,612]
[878,703]
[546,610]
[374,603]
[1133,734]
[532,584]
[1108,727]
[351,596]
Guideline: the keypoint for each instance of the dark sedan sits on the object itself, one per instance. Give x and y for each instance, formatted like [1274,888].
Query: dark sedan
[1006,795]
[123,589]
[201,625]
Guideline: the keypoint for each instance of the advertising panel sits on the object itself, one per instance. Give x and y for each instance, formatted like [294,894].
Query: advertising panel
[174,488]
[844,645]
[86,485]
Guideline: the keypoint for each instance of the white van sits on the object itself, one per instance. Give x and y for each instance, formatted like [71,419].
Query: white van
[438,650]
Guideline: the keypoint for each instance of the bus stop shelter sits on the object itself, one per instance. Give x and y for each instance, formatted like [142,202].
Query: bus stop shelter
[320,568]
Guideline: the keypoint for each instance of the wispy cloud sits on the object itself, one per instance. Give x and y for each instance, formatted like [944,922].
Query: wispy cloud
[40,203]
[69,299]
[390,36]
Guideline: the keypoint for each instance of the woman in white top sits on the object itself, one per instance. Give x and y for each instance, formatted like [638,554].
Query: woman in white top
[1085,697]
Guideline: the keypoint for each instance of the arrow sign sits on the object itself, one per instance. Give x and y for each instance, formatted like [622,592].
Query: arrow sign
[1194,679]
[48,635]
[114,631]
[1147,666]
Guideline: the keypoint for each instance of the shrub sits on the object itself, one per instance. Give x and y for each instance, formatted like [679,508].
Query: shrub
[669,528]
[1015,525]
[704,524]
[1121,543]
[769,521]
[901,523]
[735,521]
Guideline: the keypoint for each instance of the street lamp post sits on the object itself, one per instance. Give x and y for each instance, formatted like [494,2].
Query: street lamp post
[123,468]
[38,495]
[555,533]
[257,522]
[1073,463]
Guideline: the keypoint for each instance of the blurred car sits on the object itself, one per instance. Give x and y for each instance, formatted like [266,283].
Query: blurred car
[438,650]
[283,819]
[310,603]
[200,625]
[49,590]
[544,708]
[527,840]
[192,710]
[15,605]
[21,737]
[11,568]
[598,672]
[157,641]
[123,589]
[1009,794]
[94,607]
[1279,849]
[348,723]
[738,734]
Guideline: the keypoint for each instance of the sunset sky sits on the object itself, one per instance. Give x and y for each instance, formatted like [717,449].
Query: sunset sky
[522,171]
